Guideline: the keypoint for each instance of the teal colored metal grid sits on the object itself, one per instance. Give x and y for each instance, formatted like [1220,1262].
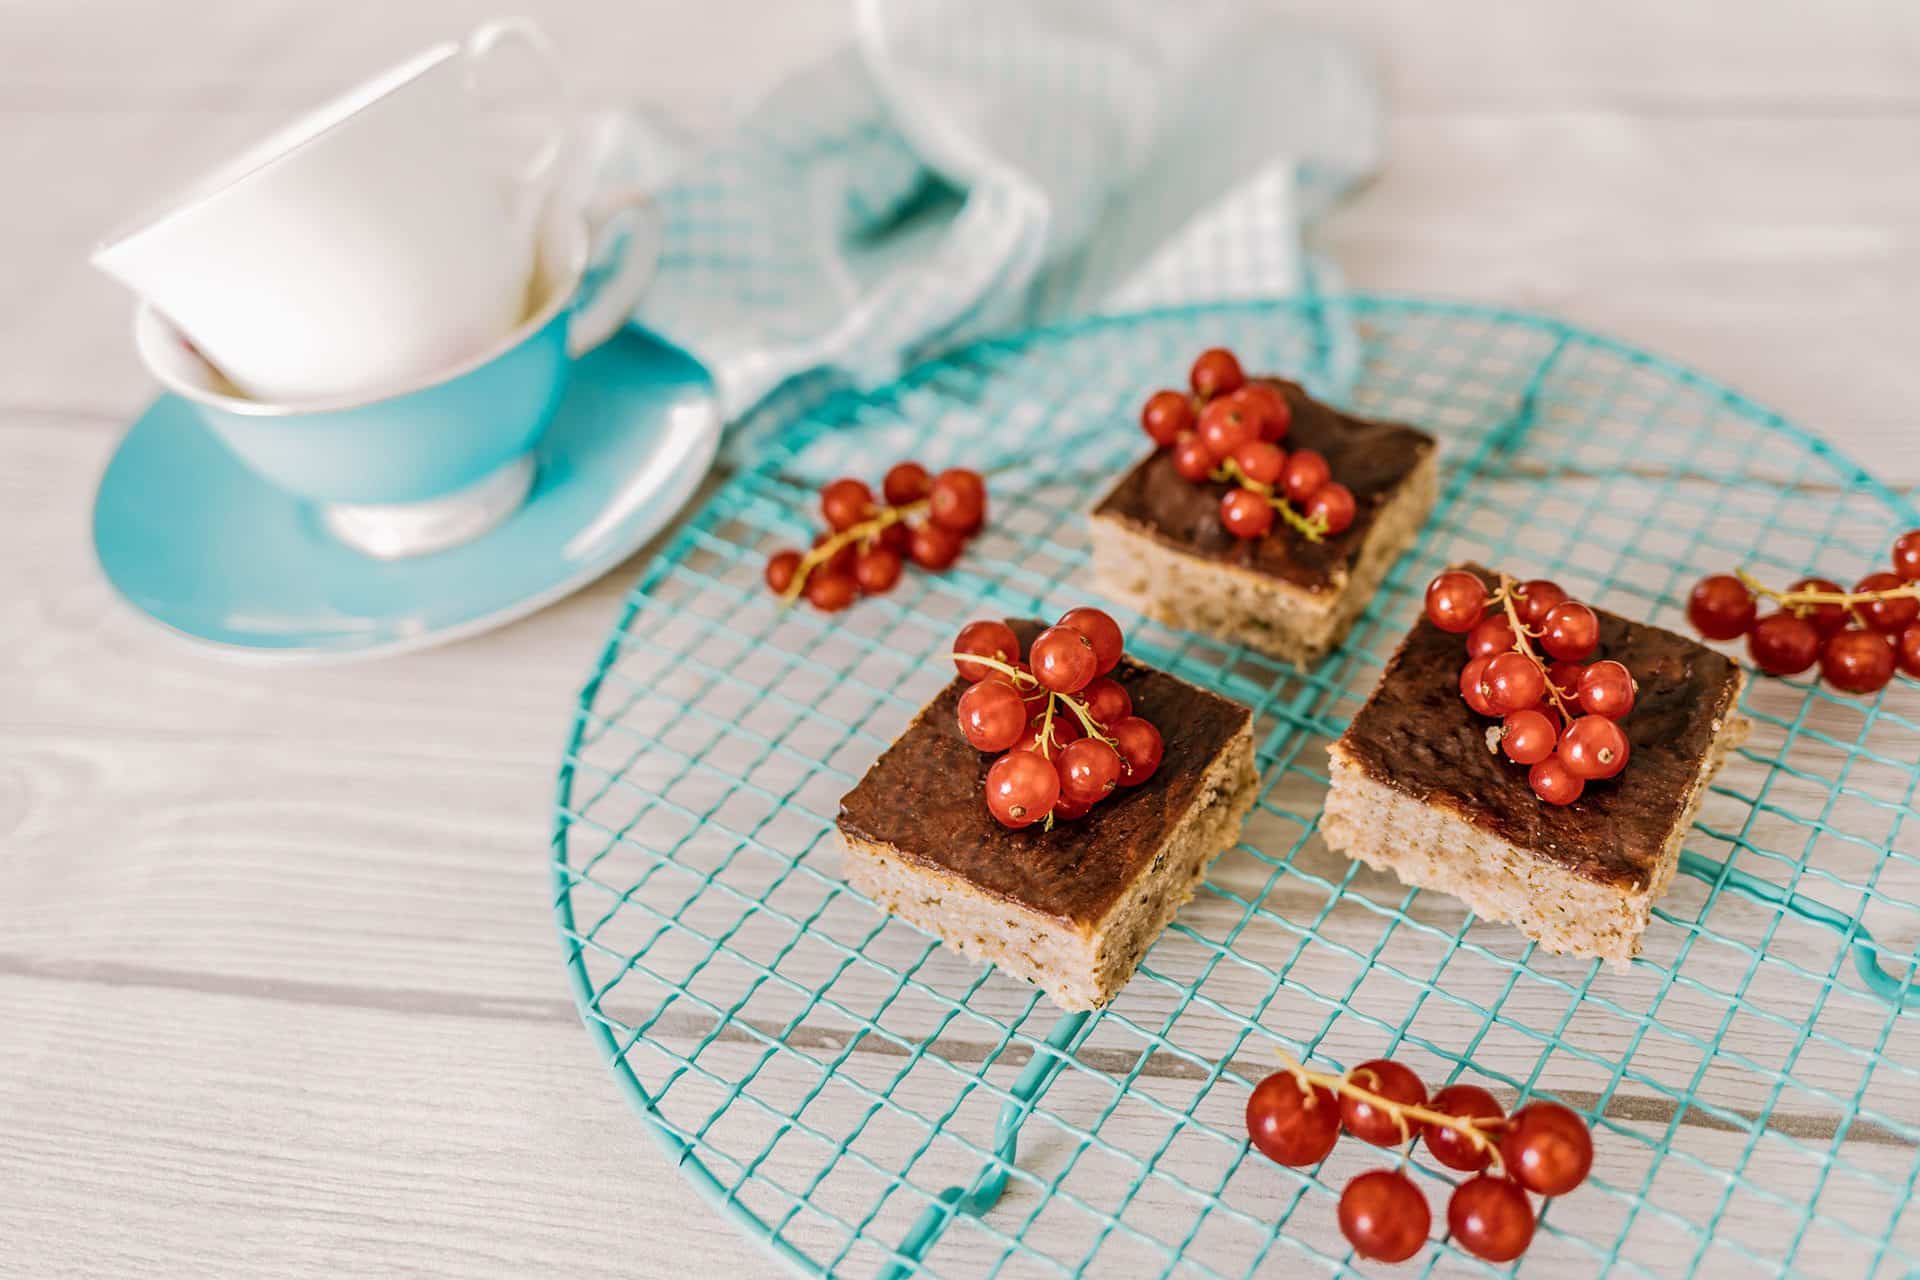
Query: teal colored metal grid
[868,1103]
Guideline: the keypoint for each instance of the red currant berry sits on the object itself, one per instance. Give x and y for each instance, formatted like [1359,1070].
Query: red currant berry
[897,538]
[1473,686]
[1101,631]
[1783,645]
[1215,373]
[1140,747]
[1456,601]
[1570,631]
[1546,1148]
[905,482]
[1063,659]
[1826,618]
[1333,505]
[989,638]
[1606,689]
[1191,460]
[1381,1126]
[992,716]
[1260,462]
[1066,809]
[1907,650]
[1553,782]
[841,561]
[1528,737]
[1022,787]
[1889,616]
[1063,731]
[1384,1216]
[957,501]
[1089,771]
[1565,677]
[1594,747]
[934,547]
[1276,415]
[1107,700]
[1490,636]
[1245,514]
[1514,682]
[1303,476]
[1906,556]
[1855,661]
[1451,1147]
[845,502]
[830,592]
[1490,1218]
[1721,607]
[877,570]
[1165,415]
[1226,425]
[1290,1123]
[1534,599]
[781,567]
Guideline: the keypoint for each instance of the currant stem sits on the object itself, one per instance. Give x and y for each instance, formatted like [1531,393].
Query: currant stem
[867,529]
[1523,645]
[1312,528]
[1465,1126]
[1797,600]
[1075,705]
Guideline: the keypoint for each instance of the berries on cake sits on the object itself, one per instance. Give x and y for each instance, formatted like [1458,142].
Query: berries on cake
[1053,807]
[1545,773]
[1263,517]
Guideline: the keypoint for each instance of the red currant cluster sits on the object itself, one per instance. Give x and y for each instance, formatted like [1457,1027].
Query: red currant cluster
[1295,1116]
[922,518]
[1066,726]
[1560,718]
[1230,429]
[1857,636]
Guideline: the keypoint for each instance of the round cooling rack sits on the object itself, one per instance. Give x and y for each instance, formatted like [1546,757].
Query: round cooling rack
[868,1103]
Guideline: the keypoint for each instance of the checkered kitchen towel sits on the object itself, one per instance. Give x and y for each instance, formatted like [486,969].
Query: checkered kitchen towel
[973,166]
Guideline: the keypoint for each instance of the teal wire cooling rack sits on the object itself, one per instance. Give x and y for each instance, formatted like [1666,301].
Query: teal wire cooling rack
[867,1103]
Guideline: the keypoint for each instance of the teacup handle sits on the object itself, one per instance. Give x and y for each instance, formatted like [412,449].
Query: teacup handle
[538,173]
[600,315]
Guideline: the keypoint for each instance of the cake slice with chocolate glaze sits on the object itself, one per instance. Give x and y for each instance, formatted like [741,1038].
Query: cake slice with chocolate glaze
[1071,907]
[1420,788]
[1159,545]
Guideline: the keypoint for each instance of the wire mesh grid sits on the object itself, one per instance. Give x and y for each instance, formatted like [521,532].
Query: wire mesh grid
[867,1102]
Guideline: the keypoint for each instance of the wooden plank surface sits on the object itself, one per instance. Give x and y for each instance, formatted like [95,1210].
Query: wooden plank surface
[278,988]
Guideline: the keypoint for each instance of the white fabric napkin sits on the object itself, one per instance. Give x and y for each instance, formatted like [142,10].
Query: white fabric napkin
[972,166]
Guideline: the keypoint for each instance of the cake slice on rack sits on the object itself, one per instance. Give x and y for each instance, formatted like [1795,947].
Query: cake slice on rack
[1062,859]
[1545,773]
[1264,517]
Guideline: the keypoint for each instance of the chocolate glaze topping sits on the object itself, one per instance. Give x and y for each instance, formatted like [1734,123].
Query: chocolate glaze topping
[1370,458]
[1418,736]
[925,797]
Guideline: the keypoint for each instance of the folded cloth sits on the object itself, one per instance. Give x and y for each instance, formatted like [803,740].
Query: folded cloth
[975,165]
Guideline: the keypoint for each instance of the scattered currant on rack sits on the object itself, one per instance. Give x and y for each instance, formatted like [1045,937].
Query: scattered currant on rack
[1858,637]
[1230,429]
[1559,714]
[919,517]
[1062,726]
[1295,1116]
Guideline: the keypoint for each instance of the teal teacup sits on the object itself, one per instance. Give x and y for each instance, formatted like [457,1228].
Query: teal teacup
[428,465]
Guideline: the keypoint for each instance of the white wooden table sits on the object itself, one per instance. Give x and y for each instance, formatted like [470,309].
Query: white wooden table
[278,985]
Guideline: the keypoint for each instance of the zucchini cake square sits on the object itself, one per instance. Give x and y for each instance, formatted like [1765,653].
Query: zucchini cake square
[1159,546]
[1071,909]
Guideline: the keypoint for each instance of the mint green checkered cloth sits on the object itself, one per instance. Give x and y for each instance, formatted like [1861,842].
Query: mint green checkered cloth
[973,166]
